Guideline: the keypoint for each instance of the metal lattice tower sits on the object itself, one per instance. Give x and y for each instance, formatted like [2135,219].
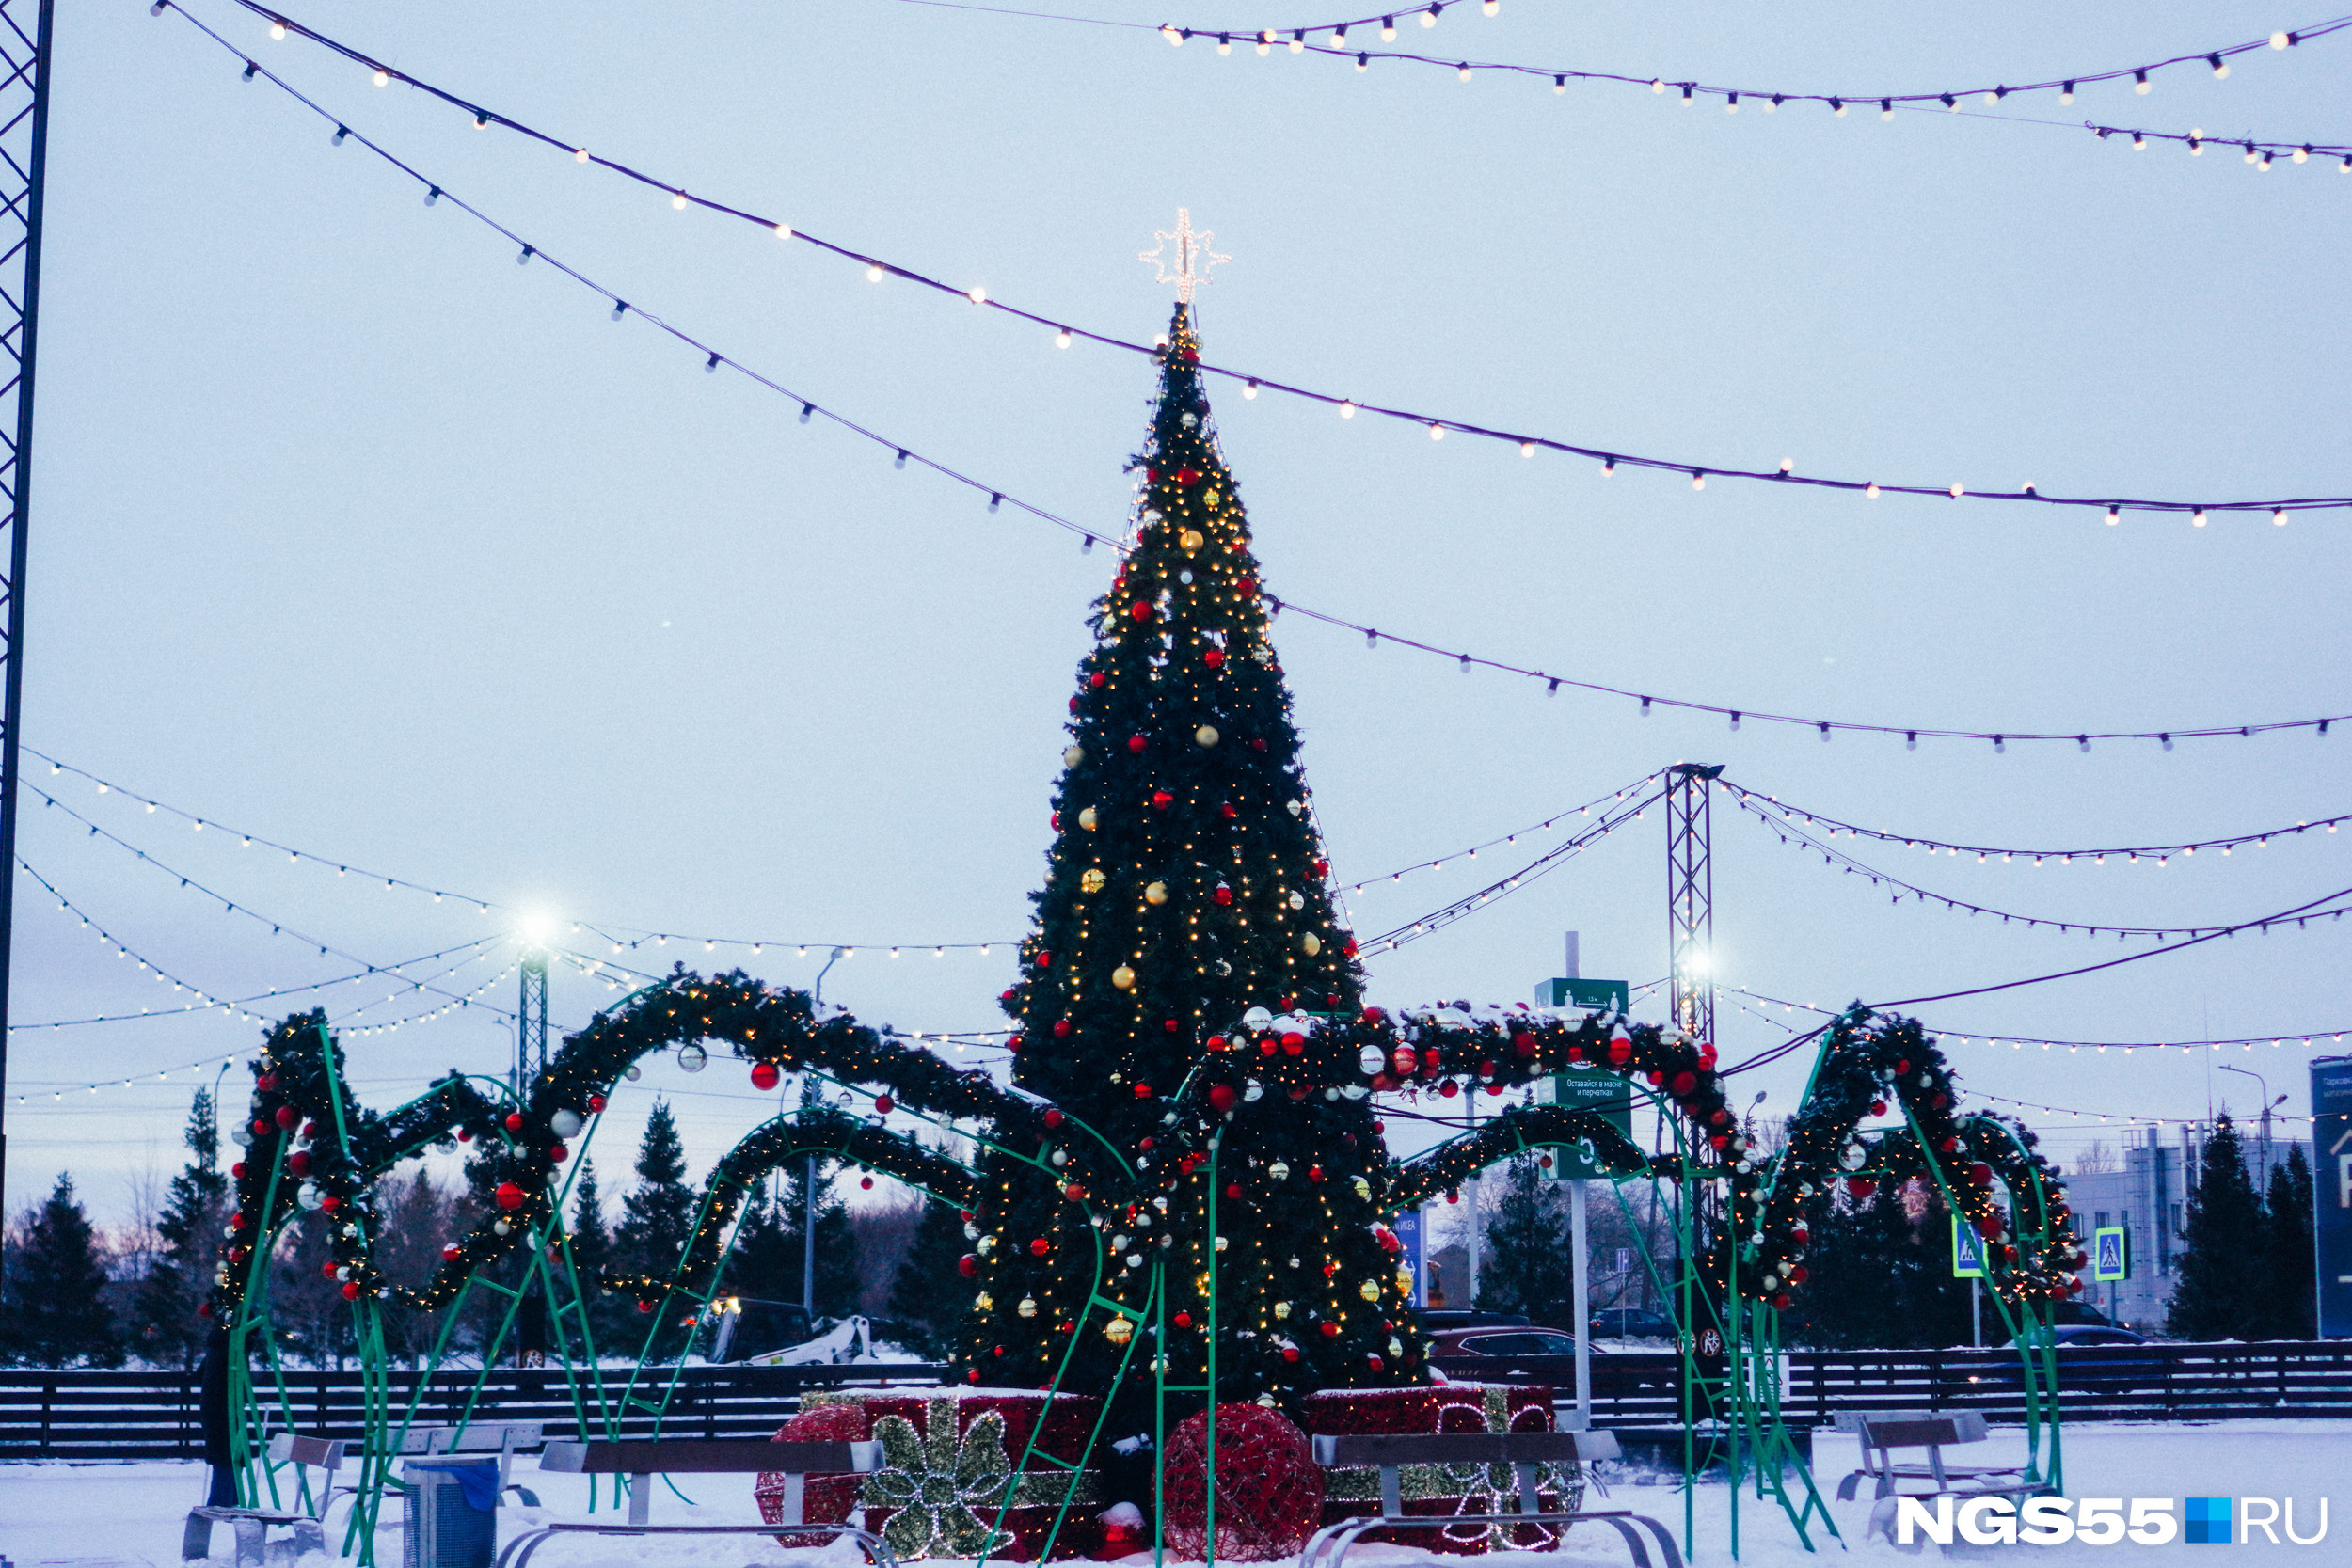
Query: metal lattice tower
[25,27]
[1691,898]
[530,1023]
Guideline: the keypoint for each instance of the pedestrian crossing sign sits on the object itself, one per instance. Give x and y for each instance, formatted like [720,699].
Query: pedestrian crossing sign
[2110,1253]
[1967,1250]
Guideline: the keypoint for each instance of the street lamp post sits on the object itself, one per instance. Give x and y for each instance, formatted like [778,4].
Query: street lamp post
[808,1181]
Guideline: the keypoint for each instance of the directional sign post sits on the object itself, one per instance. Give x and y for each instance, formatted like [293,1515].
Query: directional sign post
[1586,1087]
[2331,1209]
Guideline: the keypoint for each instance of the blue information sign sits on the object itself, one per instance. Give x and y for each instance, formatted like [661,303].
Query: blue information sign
[2110,1253]
[1967,1250]
[2332,1211]
[1407,1230]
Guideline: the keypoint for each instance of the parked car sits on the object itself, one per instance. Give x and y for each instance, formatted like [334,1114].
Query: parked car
[1452,1318]
[1631,1322]
[1521,1352]
[2088,1354]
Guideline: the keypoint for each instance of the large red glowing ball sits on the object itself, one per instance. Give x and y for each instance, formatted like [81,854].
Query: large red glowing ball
[1140,610]
[1294,1043]
[1041,1246]
[1269,1490]
[1136,743]
[1221,1097]
[1162,799]
[351,1289]
[514,1121]
[298,1163]
[1684,1084]
[286,1115]
[883,1104]
[1620,1051]
[969,1265]
[509,1195]
[765,1076]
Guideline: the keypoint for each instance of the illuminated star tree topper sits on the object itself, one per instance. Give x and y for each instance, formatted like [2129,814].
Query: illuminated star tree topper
[1193,256]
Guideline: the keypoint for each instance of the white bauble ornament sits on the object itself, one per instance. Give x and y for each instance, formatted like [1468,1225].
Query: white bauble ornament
[1073,756]
[1028,1307]
[1257,1017]
[1206,734]
[309,1195]
[1086,819]
[1155,893]
[1278,1170]
[566,1123]
[1372,1060]
[1294,807]
[1310,944]
[634,1073]
[1252,1090]
[692,1058]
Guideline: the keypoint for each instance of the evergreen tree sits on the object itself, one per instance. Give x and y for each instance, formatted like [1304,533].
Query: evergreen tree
[612,1321]
[2221,1294]
[927,1298]
[2288,1280]
[56,1303]
[1882,1274]
[164,1325]
[1527,1266]
[656,1219]
[1186,894]
[771,1248]
[765,1264]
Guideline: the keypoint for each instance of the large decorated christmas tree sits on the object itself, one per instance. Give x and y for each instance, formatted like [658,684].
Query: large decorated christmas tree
[1185,894]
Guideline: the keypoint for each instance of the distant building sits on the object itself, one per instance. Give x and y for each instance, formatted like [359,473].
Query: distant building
[2148,1198]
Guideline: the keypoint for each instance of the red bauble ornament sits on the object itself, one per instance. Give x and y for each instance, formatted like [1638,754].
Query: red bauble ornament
[1061,1028]
[1860,1186]
[328,1270]
[883,1104]
[865,1182]
[1256,745]
[1330,1331]
[1294,1043]
[1213,658]
[1290,1353]
[1143,1091]
[298,1163]
[328,1204]
[1054,1117]
[1781,1301]
[260,1127]
[509,1195]
[286,1117]
[1140,610]
[596,1104]
[1233,1189]
[514,1121]
[1172,1026]
[1981,1173]
[1878,1107]
[1045,961]
[1134,743]
[1524,1044]
[449,1253]
[1041,1246]
[1449,1088]
[1098,680]
[1221,1097]
[968,1265]
[1227,811]
[558,1153]
[1904,1066]
[1184,1320]
[1247,589]
[1684,1084]
[351,1289]
[1989,1227]
[1620,1052]
[1223,894]
[1799,1273]
[1162,799]
[1187,476]
[237,1170]
[1269,1490]
[765,1076]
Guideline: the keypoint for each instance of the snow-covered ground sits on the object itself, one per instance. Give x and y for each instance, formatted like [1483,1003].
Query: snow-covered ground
[128,1514]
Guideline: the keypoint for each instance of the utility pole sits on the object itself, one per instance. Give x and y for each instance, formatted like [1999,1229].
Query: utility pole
[808,1184]
[23,159]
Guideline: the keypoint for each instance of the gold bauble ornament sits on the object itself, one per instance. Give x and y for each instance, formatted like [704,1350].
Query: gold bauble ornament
[1122,978]
[1119,1331]
[1404,1288]
[1191,539]
[1092,880]
[1206,734]
[1155,893]
[1311,943]
[1073,756]
[1086,819]
[983,1301]
[1369,1289]
[1211,495]
[1363,1188]
[1281,1309]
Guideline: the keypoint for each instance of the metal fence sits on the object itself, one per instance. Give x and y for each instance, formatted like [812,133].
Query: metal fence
[95,1415]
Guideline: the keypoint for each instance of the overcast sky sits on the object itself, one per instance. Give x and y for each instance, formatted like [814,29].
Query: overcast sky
[350,533]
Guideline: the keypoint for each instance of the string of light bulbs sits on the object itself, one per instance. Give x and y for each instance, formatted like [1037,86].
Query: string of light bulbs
[715,358]
[2105,1116]
[2321,1037]
[347,1024]
[1788,834]
[1615,796]
[278,928]
[1551,860]
[1336,45]
[877,269]
[2154,854]
[626,939]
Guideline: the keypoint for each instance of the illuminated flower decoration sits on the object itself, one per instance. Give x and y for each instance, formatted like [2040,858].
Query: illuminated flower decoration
[935,1483]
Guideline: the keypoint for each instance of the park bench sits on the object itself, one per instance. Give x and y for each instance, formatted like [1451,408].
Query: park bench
[1879,1432]
[505,1438]
[642,1460]
[1526,1452]
[252,1524]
